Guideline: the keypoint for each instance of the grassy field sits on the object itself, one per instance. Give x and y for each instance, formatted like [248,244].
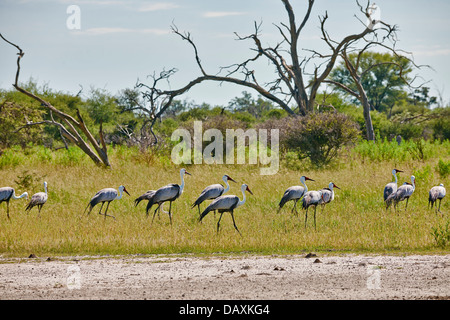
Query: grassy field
[356,221]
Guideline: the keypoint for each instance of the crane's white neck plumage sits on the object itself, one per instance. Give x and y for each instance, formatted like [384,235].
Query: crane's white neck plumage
[243,188]
[119,196]
[182,171]
[302,180]
[413,182]
[394,173]
[225,179]
[45,187]
[25,194]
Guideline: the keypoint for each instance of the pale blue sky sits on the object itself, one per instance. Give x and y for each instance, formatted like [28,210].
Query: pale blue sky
[120,41]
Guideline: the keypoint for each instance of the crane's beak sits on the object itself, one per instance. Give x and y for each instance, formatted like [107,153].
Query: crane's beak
[398,170]
[248,189]
[187,173]
[335,186]
[125,190]
[306,178]
[231,179]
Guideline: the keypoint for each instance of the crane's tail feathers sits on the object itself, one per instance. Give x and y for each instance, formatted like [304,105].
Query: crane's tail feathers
[89,205]
[149,206]
[204,213]
[136,201]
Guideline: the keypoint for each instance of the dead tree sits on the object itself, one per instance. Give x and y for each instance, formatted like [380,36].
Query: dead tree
[386,39]
[289,89]
[70,128]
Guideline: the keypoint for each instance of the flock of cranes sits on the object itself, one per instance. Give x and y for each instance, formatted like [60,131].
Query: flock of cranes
[228,203]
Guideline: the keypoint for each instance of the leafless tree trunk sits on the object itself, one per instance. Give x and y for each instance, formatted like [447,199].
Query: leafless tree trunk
[69,127]
[289,89]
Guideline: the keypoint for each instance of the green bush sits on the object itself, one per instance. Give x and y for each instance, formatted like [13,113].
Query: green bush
[317,137]
[443,168]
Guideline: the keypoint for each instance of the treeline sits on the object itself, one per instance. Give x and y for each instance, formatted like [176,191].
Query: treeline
[337,121]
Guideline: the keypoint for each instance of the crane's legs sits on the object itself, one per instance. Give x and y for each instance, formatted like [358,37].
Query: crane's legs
[234,223]
[218,222]
[154,213]
[315,208]
[440,205]
[100,212]
[7,209]
[170,212]
[306,216]
[407,199]
[107,215]
[295,207]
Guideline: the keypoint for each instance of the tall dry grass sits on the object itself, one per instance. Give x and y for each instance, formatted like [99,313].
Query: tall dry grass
[356,221]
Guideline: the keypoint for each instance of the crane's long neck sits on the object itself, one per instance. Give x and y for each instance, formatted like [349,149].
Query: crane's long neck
[18,197]
[45,188]
[182,182]
[119,196]
[228,186]
[304,184]
[395,176]
[240,203]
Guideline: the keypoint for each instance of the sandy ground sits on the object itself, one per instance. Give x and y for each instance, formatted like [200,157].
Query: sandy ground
[227,277]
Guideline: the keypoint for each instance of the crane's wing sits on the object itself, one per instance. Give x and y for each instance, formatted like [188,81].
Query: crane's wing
[389,189]
[291,193]
[6,193]
[326,196]
[210,192]
[167,193]
[227,202]
[37,199]
[146,196]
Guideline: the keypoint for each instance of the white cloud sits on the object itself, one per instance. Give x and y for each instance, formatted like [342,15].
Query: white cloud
[432,52]
[218,14]
[157,6]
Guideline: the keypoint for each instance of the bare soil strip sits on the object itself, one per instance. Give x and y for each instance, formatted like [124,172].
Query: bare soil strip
[227,277]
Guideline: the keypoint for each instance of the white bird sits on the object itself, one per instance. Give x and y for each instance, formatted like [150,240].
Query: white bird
[391,187]
[311,198]
[403,192]
[169,193]
[212,192]
[8,193]
[106,195]
[294,193]
[327,194]
[436,193]
[226,204]
[38,199]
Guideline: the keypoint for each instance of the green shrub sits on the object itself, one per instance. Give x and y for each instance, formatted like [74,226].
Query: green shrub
[441,234]
[443,168]
[318,137]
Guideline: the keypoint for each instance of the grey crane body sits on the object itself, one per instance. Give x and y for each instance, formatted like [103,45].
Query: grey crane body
[436,193]
[8,193]
[294,193]
[327,194]
[226,203]
[391,187]
[404,192]
[105,195]
[212,192]
[170,193]
[38,199]
[311,198]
